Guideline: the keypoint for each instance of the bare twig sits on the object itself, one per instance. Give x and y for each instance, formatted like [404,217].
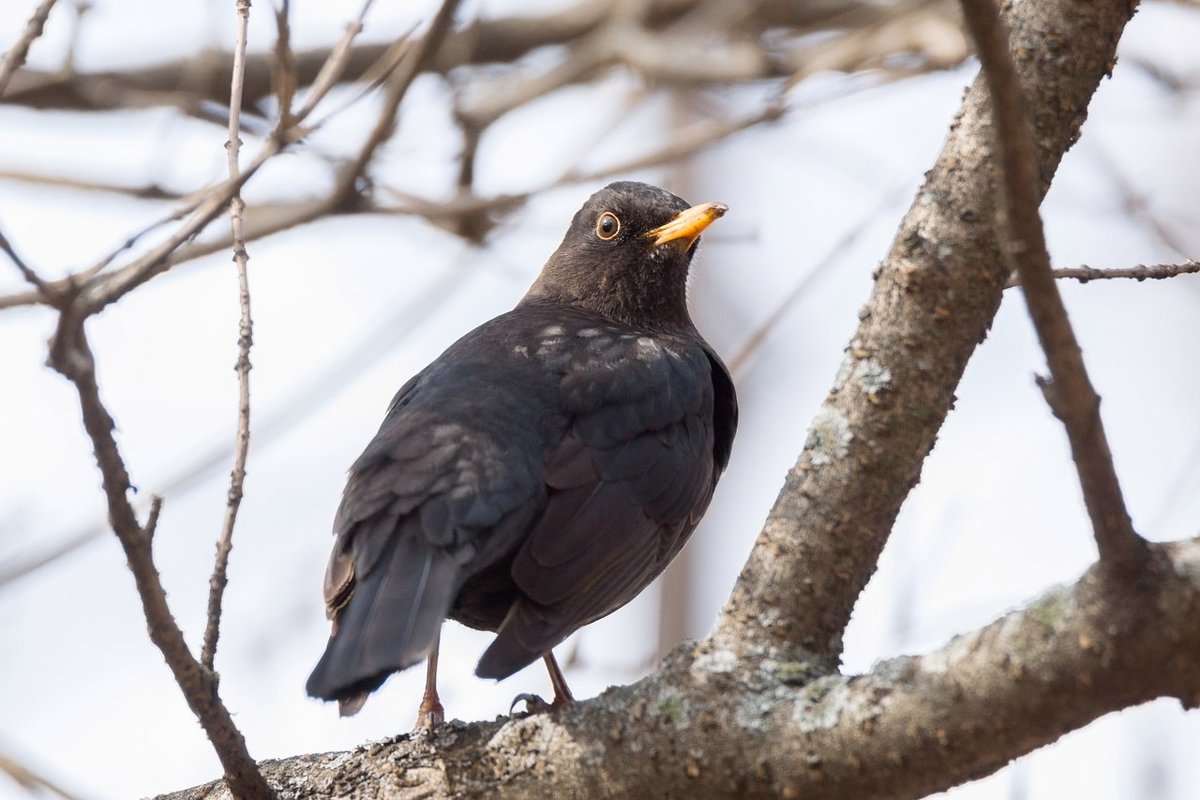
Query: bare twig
[1137,203]
[109,288]
[144,191]
[262,221]
[1068,390]
[1139,272]
[15,57]
[283,64]
[484,41]
[216,584]
[685,143]
[304,400]
[762,332]
[100,290]
[151,526]
[80,9]
[44,290]
[376,75]
[30,779]
[71,356]
[334,66]
[385,124]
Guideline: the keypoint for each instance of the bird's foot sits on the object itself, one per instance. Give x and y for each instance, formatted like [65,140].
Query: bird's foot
[534,704]
[429,716]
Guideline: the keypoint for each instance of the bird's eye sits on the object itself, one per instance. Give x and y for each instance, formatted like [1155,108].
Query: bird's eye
[608,226]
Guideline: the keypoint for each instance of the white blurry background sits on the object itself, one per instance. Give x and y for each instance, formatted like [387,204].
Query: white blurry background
[347,308]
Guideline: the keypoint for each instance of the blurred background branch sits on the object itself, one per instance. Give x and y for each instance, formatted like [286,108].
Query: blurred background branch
[402,124]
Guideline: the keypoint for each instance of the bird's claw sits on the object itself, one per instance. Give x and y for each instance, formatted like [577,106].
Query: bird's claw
[534,704]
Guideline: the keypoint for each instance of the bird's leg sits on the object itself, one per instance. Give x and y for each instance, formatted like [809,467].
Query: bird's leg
[430,713]
[562,693]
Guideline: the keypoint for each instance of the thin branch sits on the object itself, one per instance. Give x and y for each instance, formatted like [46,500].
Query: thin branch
[377,74]
[100,290]
[1139,272]
[1069,390]
[767,326]
[283,63]
[80,9]
[271,218]
[143,192]
[109,288]
[22,299]
[15,57]
[485,41]
[151,526]
[748,52]
[218,581]
[44,290]
[30,779]
[685,143]
[333,67]
[397,87]
[304,400]
[1138,204]
[71,355]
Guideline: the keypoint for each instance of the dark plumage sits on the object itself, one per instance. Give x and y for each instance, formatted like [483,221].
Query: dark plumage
[545,468]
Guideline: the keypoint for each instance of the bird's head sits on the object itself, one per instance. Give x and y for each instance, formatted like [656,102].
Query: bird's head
[626,256]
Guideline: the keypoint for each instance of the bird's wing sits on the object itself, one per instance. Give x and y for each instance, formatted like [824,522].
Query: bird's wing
[627,485]
[437,489]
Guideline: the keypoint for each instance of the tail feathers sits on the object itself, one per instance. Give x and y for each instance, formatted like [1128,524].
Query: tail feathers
[390,622]
[350,705]
[525,636]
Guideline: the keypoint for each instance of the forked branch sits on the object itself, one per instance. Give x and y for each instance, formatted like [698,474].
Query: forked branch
[1068,390]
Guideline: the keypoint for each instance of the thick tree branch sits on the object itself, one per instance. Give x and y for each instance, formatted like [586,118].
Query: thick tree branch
[710,726]
[1069,390]
[935,295]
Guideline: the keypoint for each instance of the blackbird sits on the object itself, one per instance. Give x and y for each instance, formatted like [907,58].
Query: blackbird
[544,469]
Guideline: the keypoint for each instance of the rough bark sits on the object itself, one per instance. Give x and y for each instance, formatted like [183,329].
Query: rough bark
[935,295]
[757,709]
[709,725]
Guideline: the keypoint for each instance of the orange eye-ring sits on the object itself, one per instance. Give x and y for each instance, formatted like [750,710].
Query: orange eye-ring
[608,226]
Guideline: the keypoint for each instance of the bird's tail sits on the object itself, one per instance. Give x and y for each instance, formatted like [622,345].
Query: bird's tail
[390,623]
[526,634]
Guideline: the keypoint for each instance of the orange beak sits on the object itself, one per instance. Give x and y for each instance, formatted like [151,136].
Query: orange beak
[688,224]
